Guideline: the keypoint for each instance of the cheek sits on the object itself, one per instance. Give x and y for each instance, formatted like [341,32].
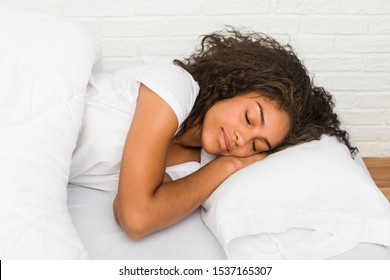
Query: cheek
[244,151]
[208,138]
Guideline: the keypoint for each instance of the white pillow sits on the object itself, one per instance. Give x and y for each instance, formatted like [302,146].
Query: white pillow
[310,201]
[45,63]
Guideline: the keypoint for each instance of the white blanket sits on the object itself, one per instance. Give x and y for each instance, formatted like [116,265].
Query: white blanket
[45,64]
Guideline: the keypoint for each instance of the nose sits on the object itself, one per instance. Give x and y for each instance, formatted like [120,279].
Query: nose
[242,137]
[238,139]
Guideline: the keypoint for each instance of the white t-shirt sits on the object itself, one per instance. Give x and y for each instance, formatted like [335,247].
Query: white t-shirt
[110,105]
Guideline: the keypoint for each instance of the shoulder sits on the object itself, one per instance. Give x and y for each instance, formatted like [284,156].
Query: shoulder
[173,84]
[169,75]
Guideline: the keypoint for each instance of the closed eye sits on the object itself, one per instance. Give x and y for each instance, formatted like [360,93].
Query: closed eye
[247,118]
[254,146]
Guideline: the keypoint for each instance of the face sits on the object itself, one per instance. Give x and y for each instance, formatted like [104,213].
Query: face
[243,125]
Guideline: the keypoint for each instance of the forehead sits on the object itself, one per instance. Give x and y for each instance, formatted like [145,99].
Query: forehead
[254,97]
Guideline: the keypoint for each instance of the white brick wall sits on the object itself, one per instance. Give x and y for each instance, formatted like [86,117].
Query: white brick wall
[344,43]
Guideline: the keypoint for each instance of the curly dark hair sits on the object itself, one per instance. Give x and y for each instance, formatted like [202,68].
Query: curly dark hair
[230,63]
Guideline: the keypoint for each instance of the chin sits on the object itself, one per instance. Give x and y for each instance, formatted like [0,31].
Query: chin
[210,150]
[211,147]
[207,150]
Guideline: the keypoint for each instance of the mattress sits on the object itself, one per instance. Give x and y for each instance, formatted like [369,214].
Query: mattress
[190,239]
[91,212]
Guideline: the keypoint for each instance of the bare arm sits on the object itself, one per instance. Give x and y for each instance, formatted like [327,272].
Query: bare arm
[146,202]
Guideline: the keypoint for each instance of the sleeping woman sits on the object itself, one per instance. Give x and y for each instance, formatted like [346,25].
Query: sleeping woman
[239,96]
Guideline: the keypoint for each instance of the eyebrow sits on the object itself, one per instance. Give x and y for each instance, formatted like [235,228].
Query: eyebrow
[261,113]
[262,123]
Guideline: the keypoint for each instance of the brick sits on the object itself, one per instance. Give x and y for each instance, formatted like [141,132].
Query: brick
[372,133]
[270,24]
[186,26]
[326,64]
[380,25]
[312,44]
[53,7]
[364,117]
[388,115]
[384,149]
[377,63]
[117,47]
[172,47]
[308,7]
[97,8]
[354,81]
[374,101]
[362,6]
[335,24]
[205,25]
[133,28]
[362,44]
[367,149]
[167,7]
[345,101]
[231,7]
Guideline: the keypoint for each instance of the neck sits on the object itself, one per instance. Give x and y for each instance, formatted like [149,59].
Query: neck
[190,138]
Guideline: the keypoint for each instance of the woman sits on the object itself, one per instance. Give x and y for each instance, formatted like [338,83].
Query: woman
[240,97]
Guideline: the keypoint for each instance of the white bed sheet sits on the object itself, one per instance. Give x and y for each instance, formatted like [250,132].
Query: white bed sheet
[92,215]
[190,239]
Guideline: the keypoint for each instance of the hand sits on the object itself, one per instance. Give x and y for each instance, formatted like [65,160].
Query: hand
[245,161]
[241,162]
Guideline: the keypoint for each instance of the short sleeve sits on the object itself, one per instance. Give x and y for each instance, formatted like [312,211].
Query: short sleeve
[174,85]
[182,170]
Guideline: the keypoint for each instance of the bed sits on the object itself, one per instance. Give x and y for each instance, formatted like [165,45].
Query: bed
[188,240]
[45,65]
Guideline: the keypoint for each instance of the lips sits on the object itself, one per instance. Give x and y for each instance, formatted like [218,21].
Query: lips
[224,142]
